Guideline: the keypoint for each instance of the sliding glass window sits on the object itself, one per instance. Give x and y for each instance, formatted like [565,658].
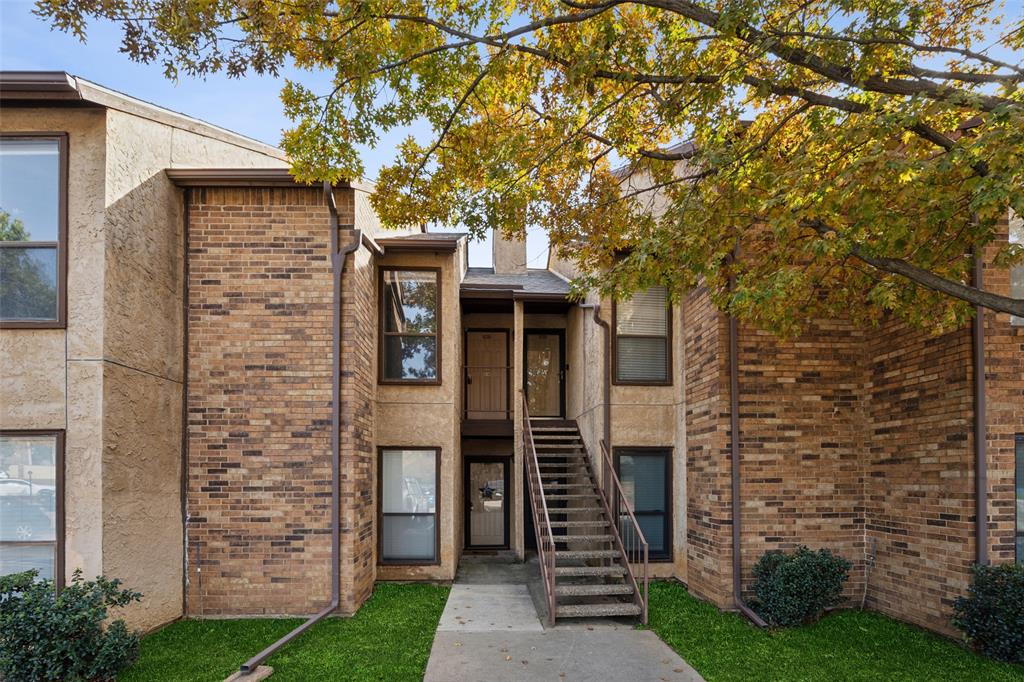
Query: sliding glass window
[408,503]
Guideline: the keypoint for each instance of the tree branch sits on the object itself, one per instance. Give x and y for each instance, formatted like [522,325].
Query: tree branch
[929,280]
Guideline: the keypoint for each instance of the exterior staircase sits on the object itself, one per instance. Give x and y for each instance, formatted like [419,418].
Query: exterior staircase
[584,563]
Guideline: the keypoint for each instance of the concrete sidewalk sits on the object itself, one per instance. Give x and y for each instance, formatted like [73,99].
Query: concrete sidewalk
[490,631]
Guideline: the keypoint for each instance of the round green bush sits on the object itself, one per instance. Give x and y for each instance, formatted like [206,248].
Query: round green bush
[50,636]
[992,615]
[796,588]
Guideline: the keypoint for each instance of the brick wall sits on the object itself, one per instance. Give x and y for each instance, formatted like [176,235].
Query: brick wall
[708,511]
[1004,390]
[259,405]
[801,443]
[358,460]
[853,440]
[919,498]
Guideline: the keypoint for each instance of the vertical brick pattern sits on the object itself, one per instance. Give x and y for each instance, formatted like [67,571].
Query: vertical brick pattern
[855,440]
[358,384]
[1004,390]
[801,443]
[708,511]
[259,401]
[919,466]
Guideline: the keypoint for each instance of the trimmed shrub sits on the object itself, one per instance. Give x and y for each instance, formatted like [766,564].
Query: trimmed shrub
[45,636]
[796,588]
[992,615]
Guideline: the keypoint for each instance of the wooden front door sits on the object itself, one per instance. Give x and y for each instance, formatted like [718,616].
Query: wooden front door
[487,374]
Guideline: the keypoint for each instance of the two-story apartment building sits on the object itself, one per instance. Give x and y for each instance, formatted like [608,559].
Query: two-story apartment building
[244,397]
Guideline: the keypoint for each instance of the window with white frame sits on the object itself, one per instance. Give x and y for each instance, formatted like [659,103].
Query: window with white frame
[642,338]
[408,505]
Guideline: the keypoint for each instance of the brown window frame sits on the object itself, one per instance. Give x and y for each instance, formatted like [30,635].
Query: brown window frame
[436,560]
[58,559]
[668,454]
[615,348]
[382,334]
[60,322]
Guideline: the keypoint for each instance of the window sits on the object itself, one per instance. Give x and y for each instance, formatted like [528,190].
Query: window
[1020,498]
[32,230]
[642,338]
[1017,271]
[646,476]
[408,505]
[31,503]
[410,307]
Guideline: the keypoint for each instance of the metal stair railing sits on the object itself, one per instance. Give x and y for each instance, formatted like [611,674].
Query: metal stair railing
[633,547]
[541,518]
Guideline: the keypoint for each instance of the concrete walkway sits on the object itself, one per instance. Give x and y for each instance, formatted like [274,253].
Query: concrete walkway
[490,632]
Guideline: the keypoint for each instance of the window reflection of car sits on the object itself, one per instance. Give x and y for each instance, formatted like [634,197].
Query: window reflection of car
[17,486]
[415,498]
[22,520]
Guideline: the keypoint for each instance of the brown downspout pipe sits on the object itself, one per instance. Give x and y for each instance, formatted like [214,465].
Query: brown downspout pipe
[980,426]
[734,446]
[338,258]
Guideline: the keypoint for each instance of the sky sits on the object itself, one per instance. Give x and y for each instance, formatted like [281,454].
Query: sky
[250,105]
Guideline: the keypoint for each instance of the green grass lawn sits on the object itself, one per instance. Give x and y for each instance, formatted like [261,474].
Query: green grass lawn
[845,645]
[388,639]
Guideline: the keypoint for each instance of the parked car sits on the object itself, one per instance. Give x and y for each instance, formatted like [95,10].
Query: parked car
[22,519]
[17,486]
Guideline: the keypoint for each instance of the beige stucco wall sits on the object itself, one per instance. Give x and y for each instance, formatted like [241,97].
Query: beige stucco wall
[112,380]
[428,416]
[642,416]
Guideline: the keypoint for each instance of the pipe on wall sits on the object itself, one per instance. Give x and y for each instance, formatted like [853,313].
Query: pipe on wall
[338,258]
[980,425]
[734,447]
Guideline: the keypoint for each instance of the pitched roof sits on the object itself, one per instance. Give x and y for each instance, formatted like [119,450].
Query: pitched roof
[532,283]
[423,241]
[59,88]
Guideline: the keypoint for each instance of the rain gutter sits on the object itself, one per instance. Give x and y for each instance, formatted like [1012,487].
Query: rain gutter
[338,258]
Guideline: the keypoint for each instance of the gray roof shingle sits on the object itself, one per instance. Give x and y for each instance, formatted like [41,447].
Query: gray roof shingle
[538,281]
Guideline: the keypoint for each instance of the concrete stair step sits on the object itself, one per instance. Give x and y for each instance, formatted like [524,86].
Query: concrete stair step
[559,496]
[563,486]
[590,571]
[585,538]
[592,590]
[597,610]
[579,524]
[587,554]
[575,510]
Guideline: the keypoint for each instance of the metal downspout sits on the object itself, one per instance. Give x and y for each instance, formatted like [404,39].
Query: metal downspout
[337,270]
[980,426]
[734,446]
